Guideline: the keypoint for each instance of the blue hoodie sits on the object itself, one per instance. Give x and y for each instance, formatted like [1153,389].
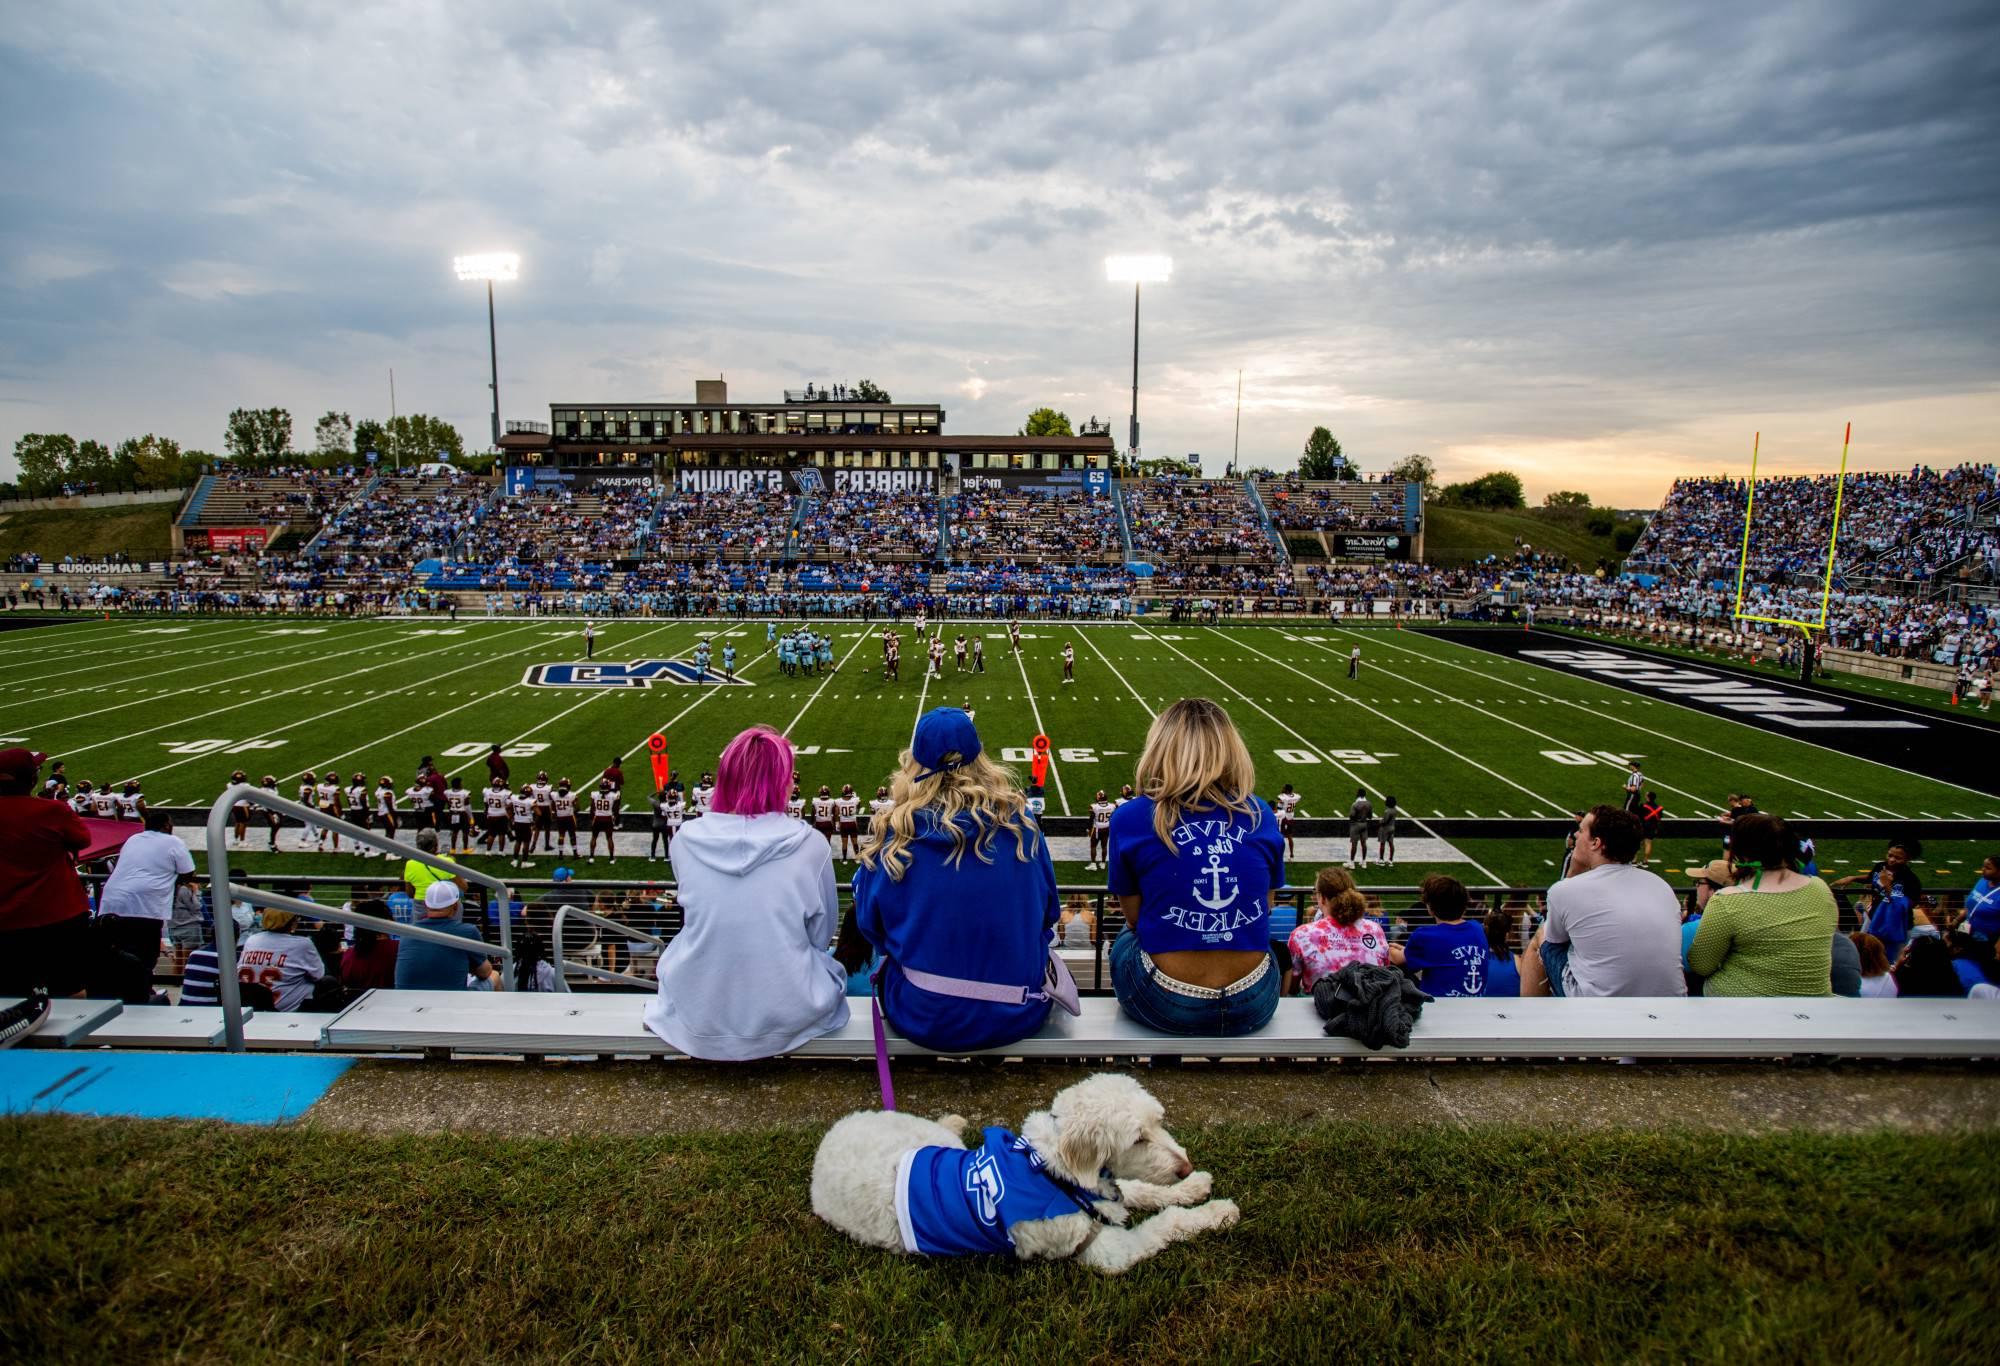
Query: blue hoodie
[985,922]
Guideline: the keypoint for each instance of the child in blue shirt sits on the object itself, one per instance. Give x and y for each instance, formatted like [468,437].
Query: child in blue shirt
[1448,957]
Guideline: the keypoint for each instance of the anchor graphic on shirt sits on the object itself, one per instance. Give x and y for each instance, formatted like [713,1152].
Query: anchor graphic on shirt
[1214,874]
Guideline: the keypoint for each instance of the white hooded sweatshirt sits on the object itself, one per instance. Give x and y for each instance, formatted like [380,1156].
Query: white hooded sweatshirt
[750,974]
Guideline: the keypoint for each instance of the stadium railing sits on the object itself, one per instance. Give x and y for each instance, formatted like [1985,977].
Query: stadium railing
[564,967]
[223,892]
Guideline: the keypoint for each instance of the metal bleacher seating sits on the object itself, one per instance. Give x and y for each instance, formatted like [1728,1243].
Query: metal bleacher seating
[608,1024]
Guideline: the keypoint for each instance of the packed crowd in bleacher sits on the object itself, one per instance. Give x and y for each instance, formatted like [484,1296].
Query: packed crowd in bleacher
[1904,526]
[1055,527]
[1182,521]
[1332,505]
[403,519]
[868,526]
[738,525]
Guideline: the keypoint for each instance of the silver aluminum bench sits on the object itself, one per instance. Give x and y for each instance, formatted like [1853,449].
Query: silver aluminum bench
[69,1021]
[1666,1027]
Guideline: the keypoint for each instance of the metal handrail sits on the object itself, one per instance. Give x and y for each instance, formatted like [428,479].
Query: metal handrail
[562,965]
[221,888]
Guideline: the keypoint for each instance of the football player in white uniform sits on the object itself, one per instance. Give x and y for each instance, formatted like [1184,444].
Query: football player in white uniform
[795,805]
[958,649]
[604,819]
[239,812]
[457,816]
[544,810]
[823,813]
[521,806]
[1100,830]
[326,796]
[562,806]
[1287,805]
[879,805]
[499,804]
[847,812]
[385,807]
[1069,663]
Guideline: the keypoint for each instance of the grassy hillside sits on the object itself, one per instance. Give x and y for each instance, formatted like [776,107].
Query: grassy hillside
[143,531]
[1461,535]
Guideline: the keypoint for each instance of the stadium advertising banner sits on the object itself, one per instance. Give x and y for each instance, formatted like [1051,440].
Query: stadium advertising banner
[1053,481]
[226,538]
[1368,545]
[807,480]
[608,480]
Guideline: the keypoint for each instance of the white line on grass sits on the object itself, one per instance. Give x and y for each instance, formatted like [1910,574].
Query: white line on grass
[1435,743]
[1120,677]
[1321,750]
[1062,797]
[1524,729]
[372,697]
[127,680]
[255,673]
[1676,739]
[16,658]
[435,717]
[787,731]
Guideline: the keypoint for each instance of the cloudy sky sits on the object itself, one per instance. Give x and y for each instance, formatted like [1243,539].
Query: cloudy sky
[1595,244]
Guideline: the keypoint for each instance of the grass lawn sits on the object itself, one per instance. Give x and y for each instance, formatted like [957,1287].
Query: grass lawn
[144,531]
[1455,535]
[140,1240]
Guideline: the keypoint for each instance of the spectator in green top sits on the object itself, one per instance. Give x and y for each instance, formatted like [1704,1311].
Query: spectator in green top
[1770,933]
[419,875]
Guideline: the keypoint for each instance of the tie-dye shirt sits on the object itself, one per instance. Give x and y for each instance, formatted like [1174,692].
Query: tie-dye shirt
[1325,946]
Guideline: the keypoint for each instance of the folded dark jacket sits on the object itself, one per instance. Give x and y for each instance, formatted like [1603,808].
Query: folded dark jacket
[1373,1004]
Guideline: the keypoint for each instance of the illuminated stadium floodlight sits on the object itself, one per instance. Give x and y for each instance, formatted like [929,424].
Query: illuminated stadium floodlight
[1139,270]
[1832,542]
[490,266]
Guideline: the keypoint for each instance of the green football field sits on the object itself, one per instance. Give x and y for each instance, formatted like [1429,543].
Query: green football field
[1451,731]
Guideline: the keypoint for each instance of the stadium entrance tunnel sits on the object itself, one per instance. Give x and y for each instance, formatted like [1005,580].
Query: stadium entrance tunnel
[1930,745]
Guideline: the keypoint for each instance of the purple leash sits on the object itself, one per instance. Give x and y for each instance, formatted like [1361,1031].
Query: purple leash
[881,1039]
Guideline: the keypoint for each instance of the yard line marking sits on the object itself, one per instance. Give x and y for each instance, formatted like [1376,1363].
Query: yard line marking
[1321,750]
[1438,744]
[276,668]
[1062,797]
[706,693]
[1669,735]
[319,716]
[435,717]
[1444,696]
[128,681]
[862,637]
[1120,677]
[269,697]
[16,663]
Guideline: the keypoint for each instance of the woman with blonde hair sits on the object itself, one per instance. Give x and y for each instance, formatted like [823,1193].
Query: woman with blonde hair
[957,892]
[1194,860]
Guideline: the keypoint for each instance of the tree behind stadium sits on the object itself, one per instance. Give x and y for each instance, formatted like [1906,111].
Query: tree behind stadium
[1322,458]
[1047,422]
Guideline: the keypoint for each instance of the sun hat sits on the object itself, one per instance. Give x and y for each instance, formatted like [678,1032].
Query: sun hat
[439,895]
[945,740]
[1716,871]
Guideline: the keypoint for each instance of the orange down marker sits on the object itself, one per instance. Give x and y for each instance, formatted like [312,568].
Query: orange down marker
[1041,766]
[657,743]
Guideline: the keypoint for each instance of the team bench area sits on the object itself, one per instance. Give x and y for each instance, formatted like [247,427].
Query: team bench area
[579,1025]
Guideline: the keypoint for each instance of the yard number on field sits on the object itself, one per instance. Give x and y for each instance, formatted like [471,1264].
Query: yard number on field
[1339,756]
[1596,756]
[218,746]
[1020,754]
[472,749]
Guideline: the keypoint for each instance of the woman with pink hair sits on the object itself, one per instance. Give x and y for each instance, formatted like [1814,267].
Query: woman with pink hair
[750,975]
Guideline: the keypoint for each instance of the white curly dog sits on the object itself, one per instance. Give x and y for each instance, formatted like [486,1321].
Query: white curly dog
[1064,1188]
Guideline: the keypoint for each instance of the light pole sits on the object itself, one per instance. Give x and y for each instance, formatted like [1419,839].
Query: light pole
[490,266]
[1140,270]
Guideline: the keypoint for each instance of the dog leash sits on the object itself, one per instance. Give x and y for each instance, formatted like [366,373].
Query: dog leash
[881,1038]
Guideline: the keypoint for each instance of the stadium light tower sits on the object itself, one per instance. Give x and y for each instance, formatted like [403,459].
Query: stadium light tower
[1140,270]
[490,266]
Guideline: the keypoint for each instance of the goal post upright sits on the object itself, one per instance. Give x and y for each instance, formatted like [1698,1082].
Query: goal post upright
[1832,543]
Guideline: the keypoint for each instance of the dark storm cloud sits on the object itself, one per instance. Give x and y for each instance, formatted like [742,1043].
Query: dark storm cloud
[1431,226]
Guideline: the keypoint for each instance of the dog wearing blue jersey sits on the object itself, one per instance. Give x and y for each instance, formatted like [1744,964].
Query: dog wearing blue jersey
[1066,1185]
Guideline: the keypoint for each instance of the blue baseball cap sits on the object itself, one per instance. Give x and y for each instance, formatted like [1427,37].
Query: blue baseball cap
[563,874]
[945,740]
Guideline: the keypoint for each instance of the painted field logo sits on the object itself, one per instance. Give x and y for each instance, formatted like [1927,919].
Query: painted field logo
[637,673]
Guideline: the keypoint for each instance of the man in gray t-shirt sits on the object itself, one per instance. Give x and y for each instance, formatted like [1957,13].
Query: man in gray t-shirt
[1360,817]
[1612,929]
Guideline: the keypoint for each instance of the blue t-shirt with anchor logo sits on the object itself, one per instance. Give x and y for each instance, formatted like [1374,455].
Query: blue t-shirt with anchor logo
[1212,889]
[953,1202]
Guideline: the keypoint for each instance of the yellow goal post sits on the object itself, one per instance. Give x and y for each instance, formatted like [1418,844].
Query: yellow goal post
[1832,543]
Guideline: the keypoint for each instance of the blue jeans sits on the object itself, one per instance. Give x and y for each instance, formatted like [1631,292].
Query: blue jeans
[1555,957]
[1169,1012]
